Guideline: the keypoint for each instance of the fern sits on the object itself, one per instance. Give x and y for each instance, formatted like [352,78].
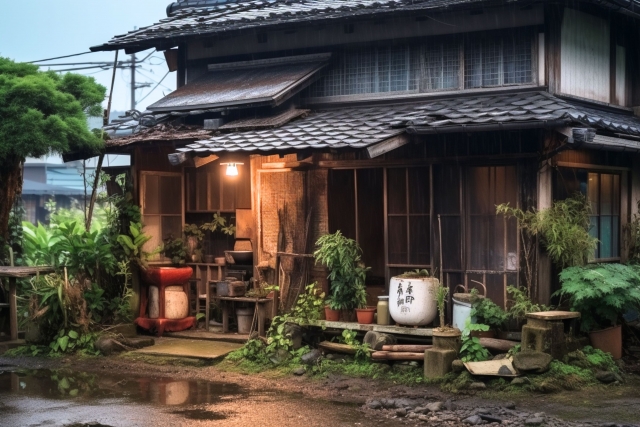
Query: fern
[601,292]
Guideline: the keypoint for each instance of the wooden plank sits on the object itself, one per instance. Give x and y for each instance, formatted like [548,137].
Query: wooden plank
[388,355]
[201,161]
[337,347]
[398,330]
[387,145]
[411,348]
[494,344]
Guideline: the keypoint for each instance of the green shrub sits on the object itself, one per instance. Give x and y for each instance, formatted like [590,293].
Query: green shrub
[601,292]
[487,312]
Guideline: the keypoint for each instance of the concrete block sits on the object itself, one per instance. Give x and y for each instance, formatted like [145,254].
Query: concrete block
[437,362]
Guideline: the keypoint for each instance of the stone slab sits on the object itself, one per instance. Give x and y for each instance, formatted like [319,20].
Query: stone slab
[180,347]
[491,368]
[554,315]
[209,336]
[437,362]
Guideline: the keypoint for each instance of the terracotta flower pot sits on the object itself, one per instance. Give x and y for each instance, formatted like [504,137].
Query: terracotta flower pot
[609,340]
[331,315]
[365,315]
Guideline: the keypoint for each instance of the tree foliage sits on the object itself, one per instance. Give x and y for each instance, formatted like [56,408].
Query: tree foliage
[43,112]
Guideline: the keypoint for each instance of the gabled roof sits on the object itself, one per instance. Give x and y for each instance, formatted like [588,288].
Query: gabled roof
[255,83]
[209,17]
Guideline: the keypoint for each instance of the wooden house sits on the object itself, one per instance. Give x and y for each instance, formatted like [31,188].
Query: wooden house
[402,123]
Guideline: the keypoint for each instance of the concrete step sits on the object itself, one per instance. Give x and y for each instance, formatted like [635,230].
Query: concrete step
[189,348]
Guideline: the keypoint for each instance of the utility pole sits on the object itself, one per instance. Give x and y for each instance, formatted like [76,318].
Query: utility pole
[133,81]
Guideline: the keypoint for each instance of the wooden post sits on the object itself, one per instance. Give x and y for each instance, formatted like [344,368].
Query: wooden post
[261,315]
[13,309]
[225,316]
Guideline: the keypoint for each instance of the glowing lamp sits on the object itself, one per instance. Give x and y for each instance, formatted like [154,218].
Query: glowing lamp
[232,168]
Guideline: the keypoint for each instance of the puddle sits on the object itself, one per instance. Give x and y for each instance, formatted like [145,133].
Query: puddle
[76,399]
[62,384]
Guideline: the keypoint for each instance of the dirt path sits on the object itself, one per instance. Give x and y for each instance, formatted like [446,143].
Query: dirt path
[604,404]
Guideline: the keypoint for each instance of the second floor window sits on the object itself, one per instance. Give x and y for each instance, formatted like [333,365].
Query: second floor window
[445,63]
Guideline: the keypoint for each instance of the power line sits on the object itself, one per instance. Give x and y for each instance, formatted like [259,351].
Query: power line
[154,88]
[58,57]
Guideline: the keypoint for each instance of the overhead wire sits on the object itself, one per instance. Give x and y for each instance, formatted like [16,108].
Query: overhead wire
[154,88]
[59,57]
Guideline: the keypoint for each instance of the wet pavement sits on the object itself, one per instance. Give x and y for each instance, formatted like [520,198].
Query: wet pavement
[65,398]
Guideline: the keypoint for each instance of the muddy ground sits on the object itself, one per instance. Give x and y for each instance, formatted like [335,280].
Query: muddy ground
[599,404]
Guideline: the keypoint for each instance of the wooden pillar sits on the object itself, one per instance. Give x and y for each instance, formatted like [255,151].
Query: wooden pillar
[545,200]
[13,309]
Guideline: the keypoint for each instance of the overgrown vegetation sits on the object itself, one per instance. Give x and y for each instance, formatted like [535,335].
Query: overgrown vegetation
[92,283]
[602,293]
[520,304]
[472,350]
[343,258]
[487,312]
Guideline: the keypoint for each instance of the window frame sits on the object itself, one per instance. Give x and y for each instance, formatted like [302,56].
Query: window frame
[151,244]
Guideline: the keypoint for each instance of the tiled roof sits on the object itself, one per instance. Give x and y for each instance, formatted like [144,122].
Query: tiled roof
[162,132]
[255,123]
[208,17]
[360,127]
[341,128]
[515,108]
[242,83]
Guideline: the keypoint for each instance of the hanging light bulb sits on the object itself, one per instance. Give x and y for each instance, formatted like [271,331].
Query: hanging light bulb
[232,169]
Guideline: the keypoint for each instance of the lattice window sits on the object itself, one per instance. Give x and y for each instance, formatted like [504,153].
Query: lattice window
[374,70]
[498,61]
[441,65]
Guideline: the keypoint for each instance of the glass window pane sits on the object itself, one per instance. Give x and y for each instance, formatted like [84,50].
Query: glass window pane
[446,185]
[151,194]
[491,63]
[451,242]
[441,66]
[593,189]
[398,240]
[397,190]
[606,196]
[418,190]
[419,240]
[517,60]
[605,237]
[594,232]
[615,239]
[473,65]
[616,195]
[152,228]
[171,226]
[171,195]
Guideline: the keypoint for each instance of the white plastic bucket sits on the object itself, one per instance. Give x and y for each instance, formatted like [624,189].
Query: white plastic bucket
[461,312]
[245,318]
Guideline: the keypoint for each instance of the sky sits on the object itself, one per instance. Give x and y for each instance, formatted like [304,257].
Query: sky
[37,29]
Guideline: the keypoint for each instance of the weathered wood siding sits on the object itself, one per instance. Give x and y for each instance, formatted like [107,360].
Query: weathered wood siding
[585,56]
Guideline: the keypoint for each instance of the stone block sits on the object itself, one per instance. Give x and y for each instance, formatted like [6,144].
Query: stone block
[377,339]
[437,362]
[546,337]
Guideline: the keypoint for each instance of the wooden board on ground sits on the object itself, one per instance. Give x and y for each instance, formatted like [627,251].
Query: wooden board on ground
[388,329]
[411,348]
[492,368]
[392,355]
[337,347]
[496,345]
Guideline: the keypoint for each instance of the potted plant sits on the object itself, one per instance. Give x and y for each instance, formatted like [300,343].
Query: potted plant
[445,337]
[602,293]
[486,312]
[343,258]
[175,250]
[193,236]
[411,297]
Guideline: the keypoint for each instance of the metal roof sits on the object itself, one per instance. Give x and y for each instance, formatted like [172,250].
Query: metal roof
[254,83]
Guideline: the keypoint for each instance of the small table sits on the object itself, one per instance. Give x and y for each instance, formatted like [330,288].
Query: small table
[14,273]
[262,310]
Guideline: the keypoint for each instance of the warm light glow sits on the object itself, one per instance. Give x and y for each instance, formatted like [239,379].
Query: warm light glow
[232,169]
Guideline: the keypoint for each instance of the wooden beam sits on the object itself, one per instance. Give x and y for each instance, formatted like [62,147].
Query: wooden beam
[304,164]
[387,145]
[201,161]
[388,355]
